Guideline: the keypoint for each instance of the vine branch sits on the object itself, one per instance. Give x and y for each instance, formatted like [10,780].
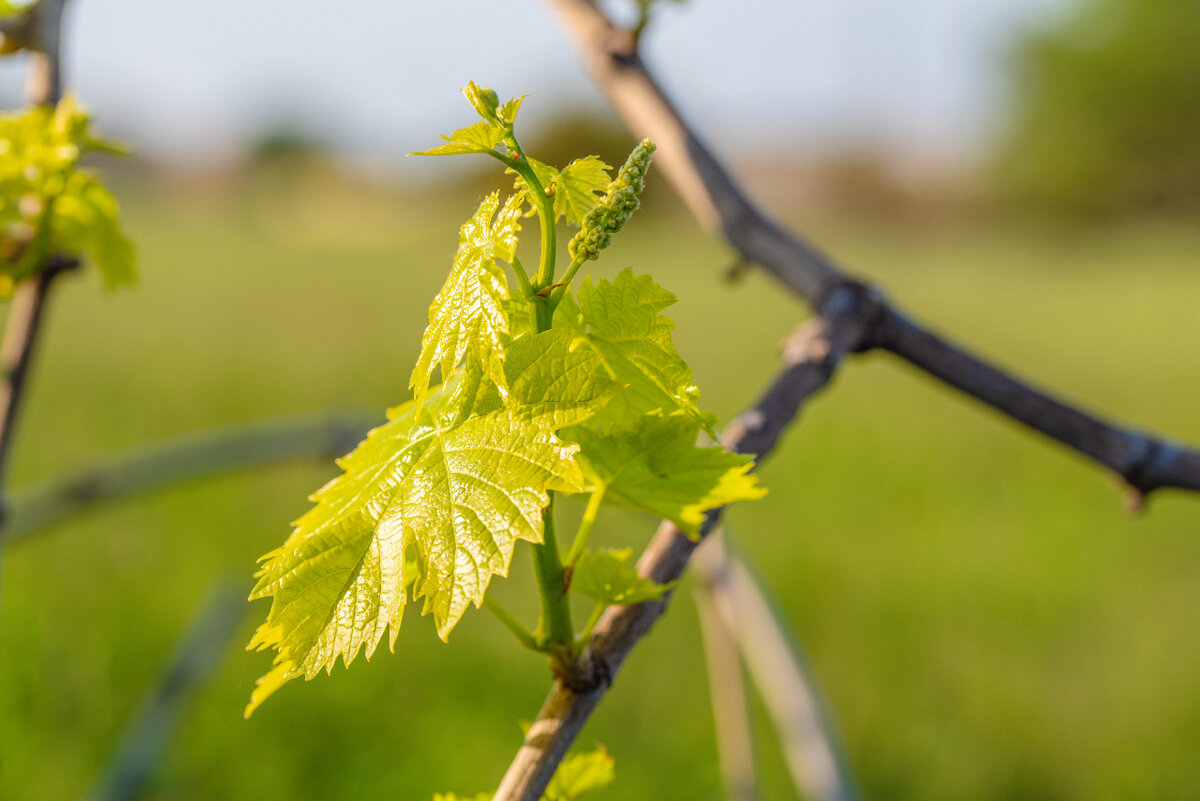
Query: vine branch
[1145,463]
[41,34]
[777,666]
[810,358]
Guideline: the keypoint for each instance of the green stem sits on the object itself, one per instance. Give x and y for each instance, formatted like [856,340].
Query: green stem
[585,525]
[565,283]
[523,635]
[555,626]
[546,216]
[555,632]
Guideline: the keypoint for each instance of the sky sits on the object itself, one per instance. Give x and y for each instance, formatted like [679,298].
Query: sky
[192,81]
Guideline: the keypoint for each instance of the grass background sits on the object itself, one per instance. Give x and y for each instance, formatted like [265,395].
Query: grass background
[986,619]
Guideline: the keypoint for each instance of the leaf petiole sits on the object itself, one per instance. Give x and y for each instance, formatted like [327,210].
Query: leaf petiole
[585,525]
[506,618]
[592,620]
[523,279]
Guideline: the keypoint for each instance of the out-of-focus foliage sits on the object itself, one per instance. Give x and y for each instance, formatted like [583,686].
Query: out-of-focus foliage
[8,8]
[1109,111]
[48,204]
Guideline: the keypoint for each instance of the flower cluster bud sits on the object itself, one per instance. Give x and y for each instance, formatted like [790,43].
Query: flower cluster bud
[616,207]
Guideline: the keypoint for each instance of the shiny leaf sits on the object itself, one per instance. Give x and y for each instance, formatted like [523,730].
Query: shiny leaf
[468,315]
[458,483]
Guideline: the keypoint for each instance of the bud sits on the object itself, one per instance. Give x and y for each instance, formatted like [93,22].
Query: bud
[484,100]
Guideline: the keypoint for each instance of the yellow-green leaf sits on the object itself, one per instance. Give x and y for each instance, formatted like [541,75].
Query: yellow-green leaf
[458,483]
[469,313]
[656,466]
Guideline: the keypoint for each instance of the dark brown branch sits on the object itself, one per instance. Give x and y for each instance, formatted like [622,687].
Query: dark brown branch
[810,357]
[1145,463]
[42,32]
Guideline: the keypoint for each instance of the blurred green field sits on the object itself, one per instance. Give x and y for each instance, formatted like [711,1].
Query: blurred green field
[986,619]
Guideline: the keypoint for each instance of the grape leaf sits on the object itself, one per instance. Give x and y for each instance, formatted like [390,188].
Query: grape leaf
[655,465]
[578,774]
[576,189]
[86,219]
[620,320]
[48,204]
[552,379]
[468,314]
[435,499]
[608,576]
[479,137]
[579,187]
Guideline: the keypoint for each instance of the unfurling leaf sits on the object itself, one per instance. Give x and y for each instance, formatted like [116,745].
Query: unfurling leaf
[468,315]
[493,129]
[608,576]
[655,466]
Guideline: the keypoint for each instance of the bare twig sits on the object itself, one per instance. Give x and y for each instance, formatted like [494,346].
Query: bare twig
[810,358]
[40,33]
[42,26]
[1145,463]
[198,653]
[776,664]
[174,461]
[727,687]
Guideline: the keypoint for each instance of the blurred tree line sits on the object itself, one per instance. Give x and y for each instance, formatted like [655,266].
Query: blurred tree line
[1108,112]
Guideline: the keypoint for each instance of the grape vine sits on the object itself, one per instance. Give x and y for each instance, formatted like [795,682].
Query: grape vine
[561,386]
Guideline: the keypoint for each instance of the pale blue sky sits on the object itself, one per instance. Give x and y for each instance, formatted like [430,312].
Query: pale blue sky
[190,80]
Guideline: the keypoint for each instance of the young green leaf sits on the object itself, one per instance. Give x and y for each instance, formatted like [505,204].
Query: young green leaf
[480,137]
[48,204]
[468,315]
[579,188]
[655,465]
[579,774]
[493,129]
[552,379]
[443,492]
[607,575]
[620,320]
[458,482]
[576,189]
